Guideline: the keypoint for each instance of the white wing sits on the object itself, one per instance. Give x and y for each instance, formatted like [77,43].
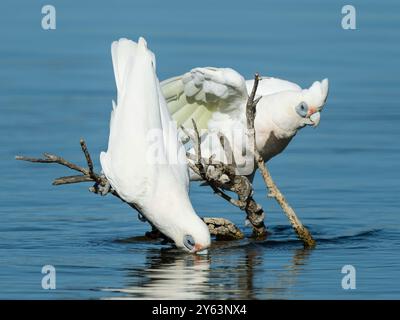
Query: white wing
[141,111]
[205,93]
[145,162]
[211,96]
[269,85]
[124,163]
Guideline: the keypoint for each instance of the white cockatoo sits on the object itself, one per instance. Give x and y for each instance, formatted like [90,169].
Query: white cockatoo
[216,99]
[157,188]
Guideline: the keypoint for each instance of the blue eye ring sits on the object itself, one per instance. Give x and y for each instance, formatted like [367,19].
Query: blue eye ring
[302,109]
[188,242]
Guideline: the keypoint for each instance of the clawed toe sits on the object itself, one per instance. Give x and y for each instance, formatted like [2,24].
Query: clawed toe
[106,189]
[102,190]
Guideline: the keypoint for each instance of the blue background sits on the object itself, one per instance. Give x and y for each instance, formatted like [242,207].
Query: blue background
[343,177]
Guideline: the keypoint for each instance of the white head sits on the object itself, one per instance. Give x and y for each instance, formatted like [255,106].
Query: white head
[178,221]
[193,237]
[293,110]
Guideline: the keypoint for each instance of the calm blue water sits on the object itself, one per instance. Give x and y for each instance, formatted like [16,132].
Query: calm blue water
[342,178]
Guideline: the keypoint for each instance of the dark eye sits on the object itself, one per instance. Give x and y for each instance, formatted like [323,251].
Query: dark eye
[302,109]
[188,242]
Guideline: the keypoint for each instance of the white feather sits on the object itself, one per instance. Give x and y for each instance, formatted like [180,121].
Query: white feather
[159,190]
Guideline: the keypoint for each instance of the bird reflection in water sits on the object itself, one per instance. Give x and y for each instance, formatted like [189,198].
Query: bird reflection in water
[234,270]
[168,274]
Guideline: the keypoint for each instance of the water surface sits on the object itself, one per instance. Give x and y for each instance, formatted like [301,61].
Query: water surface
[342,178]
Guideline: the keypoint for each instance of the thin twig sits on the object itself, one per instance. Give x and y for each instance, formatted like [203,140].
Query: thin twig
[88,159]
[51,158]
[88,175]
[72,179]
[228,150]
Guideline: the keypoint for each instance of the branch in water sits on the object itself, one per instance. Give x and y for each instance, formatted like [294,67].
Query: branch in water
[223,229]
[301,231]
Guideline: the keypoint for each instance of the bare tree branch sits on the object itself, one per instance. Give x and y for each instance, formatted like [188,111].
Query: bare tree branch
[223,229]
[71,179]
[88,175]
[301,231]
[88,160]
[51,158]
[220,176]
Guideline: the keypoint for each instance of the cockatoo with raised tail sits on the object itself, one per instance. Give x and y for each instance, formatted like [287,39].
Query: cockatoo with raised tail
[216,99]
[158,189]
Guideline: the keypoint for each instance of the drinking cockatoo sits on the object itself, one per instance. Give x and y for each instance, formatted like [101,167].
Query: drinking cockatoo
[216,99]
[158,189]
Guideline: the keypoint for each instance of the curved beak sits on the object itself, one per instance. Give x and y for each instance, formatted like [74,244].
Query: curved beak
[198,249]
[315,118]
